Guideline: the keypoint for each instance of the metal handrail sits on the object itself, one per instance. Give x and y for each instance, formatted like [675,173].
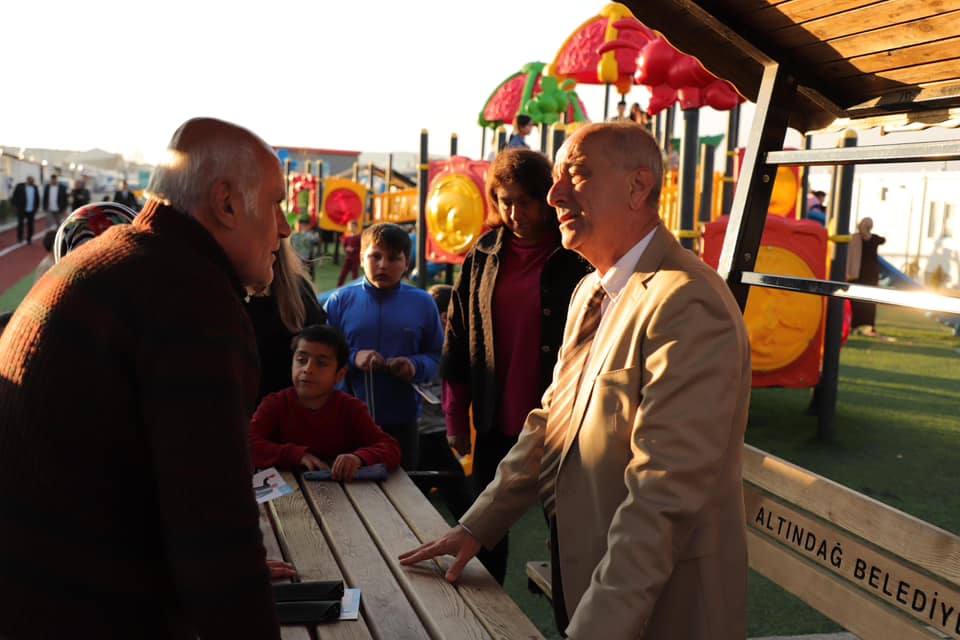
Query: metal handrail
[923,300]
[874,154]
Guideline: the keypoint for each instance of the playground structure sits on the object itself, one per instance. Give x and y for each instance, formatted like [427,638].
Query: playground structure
[787,328]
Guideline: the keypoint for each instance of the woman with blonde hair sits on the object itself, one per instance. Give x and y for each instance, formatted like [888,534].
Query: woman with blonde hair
[278,313]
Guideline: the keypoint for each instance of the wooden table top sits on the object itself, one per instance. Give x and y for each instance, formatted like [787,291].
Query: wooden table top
[354,532]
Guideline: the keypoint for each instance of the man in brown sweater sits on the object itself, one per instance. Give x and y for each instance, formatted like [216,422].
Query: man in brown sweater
[127,377]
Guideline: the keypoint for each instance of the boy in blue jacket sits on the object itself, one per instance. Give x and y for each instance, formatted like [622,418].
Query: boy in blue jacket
[394,334]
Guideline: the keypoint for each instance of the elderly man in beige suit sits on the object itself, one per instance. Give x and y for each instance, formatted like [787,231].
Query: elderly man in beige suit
[636,452]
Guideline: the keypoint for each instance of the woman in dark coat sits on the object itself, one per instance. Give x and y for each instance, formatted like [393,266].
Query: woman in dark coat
[863,267]
[506,319]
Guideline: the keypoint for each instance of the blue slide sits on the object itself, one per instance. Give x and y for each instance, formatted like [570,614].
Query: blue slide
[893,277]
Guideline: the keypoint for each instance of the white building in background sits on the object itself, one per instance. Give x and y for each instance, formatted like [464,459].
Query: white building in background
[101,170]
[917,209]
[14,170]
[915,206]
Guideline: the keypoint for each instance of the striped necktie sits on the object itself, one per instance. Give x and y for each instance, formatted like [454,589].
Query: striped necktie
[574,357]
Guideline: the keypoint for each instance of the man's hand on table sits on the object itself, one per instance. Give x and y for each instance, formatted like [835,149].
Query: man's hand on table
[345,467]
[456,542]
[281,569]
[313,463]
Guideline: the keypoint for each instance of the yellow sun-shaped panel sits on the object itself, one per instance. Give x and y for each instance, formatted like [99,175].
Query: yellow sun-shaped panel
[455,212]
[781,323]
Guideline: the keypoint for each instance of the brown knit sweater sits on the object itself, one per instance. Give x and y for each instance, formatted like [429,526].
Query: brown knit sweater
[127,376]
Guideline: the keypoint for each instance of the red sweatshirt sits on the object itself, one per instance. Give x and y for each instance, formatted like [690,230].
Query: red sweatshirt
[283,430]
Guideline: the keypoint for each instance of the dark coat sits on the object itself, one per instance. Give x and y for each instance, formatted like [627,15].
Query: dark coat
[19,198]
[61,197]
[79,197]
[126,198]
[468,349]
[127,380]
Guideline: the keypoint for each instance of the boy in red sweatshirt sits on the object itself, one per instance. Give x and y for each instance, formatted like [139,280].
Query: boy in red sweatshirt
[312,424]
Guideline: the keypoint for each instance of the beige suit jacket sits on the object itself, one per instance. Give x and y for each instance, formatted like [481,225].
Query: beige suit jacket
[650,515]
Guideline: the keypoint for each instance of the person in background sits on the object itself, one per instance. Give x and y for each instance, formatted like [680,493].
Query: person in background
[815,198]
[817,213]
[522,126]
[124,196]
[636,453]
[142,461]
[54,201]
[312,424]
[279,312]
[394,334]
[621,115]
[26,201]
[507,313]
[435,451]
[79,195]
[639,116]
[863,267]
[351,253]
[48,260]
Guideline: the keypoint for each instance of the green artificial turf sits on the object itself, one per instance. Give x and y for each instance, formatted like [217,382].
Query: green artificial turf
[10,298]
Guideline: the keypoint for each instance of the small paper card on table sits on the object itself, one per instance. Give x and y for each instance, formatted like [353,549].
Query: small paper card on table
[350,604]
[269,485]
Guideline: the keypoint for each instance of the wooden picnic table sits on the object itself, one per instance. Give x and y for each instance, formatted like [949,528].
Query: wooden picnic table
[354,532]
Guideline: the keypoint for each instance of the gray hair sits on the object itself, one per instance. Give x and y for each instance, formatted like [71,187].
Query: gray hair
[196,161]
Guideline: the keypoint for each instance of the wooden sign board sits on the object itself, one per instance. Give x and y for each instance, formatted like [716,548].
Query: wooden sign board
[877,571]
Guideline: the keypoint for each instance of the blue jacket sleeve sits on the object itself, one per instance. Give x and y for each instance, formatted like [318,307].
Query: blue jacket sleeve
[427,361]
[335,319]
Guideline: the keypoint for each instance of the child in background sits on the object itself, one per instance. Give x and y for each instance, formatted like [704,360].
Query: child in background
[351,253]
[312,424]
[435,453]
[394,334]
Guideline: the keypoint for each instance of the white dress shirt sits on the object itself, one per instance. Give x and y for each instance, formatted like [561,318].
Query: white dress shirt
[613,282]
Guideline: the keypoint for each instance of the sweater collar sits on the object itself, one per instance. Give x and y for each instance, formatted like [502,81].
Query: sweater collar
[379,293]
[179,227]
[491,241]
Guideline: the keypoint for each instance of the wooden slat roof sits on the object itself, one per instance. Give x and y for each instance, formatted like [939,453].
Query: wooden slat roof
[851,58]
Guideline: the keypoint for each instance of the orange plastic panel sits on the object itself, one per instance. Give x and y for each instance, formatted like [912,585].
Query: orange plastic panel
[786,328]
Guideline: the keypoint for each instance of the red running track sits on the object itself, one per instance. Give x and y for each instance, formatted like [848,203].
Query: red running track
[17,262]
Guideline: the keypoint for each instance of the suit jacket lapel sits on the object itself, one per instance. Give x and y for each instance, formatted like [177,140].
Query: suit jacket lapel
[611,331]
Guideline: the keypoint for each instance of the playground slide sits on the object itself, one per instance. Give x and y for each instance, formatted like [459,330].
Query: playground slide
[899,280]
[896,278]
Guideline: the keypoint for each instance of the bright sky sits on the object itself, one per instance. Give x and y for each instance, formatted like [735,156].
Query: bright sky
[364,76]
